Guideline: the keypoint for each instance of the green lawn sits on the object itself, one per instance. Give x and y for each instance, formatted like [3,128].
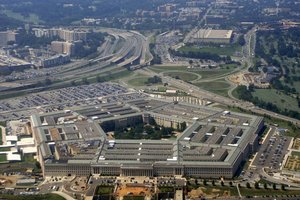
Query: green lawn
[1,142]
[185,76]
[219,190]
[117,73]
[5,149]
[296,153]
[296,84]
[166,189]
[281,100]
[218,87]
[140,81]
[159,69]
[102,190]
[28,159]
[270,192]
[3,158]
[32,197]
[12,94]
[213,73]
[205,74]
[227,50]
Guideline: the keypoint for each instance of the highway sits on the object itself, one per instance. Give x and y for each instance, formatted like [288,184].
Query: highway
[131,47]
[203,94]
[121,49]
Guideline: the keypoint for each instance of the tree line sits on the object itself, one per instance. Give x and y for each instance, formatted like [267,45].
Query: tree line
[199,55]
[245,93]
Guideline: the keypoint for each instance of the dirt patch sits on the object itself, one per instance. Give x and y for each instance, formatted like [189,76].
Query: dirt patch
[125,190]
[9,181]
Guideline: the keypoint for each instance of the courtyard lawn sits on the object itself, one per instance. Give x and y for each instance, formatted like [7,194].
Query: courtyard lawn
[102,190]
[3,158]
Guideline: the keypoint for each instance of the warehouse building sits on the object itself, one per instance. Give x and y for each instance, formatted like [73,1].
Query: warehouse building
[213,36]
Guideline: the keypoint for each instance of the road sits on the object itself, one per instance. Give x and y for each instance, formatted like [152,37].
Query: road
[248,53]
[122,49]
[189,36]
[203,94]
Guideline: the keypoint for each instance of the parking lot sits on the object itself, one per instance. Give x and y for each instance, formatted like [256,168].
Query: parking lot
[60,99]
[70,94]
[273,150]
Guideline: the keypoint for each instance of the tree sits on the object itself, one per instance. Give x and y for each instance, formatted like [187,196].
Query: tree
[242,40]
[213,183]
[265,185]
[38,165]
[265,69]
[48,81]
[182,126]
[256,185]
[282,187]
[85,81]
[222,183]
[100,79]
[205,182]
[230,183]
[274,186]
[243,93]
[154,79]
[166,131]
[248,185]
[149,130]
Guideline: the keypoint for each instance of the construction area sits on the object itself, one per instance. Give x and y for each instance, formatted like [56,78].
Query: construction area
[135,190]
[256,79]
[209,193]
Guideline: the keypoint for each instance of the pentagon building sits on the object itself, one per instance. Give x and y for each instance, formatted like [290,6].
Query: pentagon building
[213,145]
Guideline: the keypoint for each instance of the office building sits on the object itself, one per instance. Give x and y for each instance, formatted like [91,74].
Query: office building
[213,145]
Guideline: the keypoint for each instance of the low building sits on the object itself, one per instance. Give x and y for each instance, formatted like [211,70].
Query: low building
[7,36]
[54,61]
[64,34]
[13,64]
[68,48]
[11,139]
[13,157]
[213,36]
[28,181]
